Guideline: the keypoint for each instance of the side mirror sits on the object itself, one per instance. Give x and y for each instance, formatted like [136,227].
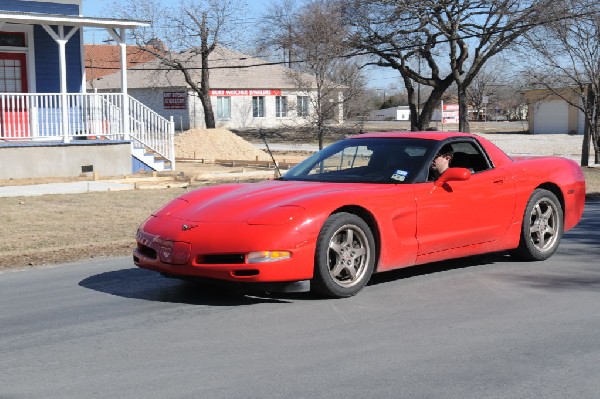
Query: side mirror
[453,174]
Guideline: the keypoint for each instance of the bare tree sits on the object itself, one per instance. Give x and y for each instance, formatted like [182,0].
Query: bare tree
[318,37]
[394,33]
[196,26]
[452,39]
[566,62]
[277,31]
[482,92]
[511,100]
[351,76]
[485,29]
[497,90]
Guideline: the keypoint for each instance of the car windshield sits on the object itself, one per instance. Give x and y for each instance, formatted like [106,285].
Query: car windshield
[366,160]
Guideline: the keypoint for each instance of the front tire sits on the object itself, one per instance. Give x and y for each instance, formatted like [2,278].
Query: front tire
[542,227]
[344,257]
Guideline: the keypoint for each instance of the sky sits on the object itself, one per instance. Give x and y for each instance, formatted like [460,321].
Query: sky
[94,8]
[378,78]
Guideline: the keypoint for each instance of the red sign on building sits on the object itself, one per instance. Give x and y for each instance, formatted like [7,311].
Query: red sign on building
[244,92]
[175,99]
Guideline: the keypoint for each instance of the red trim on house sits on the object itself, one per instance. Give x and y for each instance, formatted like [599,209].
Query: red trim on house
[22,58]
[14,118]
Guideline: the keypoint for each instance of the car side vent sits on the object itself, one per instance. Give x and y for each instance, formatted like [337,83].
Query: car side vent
[147,251]
[221,259]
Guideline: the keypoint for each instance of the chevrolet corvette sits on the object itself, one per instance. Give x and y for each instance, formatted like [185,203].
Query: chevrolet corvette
[366,204]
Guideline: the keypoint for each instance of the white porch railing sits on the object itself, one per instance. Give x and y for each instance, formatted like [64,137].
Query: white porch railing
[34,117]
[144,127]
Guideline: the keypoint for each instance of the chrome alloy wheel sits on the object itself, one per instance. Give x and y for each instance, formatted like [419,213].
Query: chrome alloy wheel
[348,255]
[544,225]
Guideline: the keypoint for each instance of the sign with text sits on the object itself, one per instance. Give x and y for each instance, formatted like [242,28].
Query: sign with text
[175,100]
[450,113]
[244,92]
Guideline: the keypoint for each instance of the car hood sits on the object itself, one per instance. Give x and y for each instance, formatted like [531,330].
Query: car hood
[268,202]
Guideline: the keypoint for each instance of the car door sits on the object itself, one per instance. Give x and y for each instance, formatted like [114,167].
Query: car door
[463,213]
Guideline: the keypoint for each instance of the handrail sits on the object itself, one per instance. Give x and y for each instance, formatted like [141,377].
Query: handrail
[38,116]
[144,125]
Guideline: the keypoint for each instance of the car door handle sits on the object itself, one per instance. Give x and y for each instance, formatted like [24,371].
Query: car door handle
[499,181]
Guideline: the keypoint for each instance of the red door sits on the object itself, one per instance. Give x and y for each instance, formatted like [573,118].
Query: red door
[466,213]
[13,79]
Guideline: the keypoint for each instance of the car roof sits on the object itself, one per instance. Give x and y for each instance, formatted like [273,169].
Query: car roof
[428,135]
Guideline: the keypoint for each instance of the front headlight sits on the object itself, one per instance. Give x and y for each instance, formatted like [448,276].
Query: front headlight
[267,256]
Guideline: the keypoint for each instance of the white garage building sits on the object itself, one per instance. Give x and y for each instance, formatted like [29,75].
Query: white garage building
[550,114]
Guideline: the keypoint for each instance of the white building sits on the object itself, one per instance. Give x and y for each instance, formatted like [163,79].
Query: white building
[549,113]
[245,92]
[400,113]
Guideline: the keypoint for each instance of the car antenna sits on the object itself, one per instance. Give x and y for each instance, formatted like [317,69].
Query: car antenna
[264,137]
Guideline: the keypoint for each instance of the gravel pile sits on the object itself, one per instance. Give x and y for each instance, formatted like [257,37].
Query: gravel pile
[214,144]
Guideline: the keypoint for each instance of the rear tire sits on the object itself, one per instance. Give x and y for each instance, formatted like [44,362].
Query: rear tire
[344,257]
[542,227]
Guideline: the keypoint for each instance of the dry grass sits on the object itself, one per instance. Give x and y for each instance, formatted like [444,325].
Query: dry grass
[61,228]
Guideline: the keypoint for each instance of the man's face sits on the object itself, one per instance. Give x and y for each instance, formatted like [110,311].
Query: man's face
[440,163]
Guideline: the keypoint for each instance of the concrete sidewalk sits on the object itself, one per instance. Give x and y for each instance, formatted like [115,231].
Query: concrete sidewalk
[63,188]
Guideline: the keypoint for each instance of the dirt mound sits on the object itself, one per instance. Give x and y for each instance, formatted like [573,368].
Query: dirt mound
[215,144]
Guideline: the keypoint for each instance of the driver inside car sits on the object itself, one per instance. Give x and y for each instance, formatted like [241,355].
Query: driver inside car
[440,163]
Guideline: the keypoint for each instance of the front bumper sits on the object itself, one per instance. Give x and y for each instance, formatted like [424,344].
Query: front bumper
[217,252]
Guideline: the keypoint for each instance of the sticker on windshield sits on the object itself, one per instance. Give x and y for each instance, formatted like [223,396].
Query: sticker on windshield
[400,175]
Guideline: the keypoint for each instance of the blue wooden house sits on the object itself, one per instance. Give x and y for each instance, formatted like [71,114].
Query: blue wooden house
[49,124]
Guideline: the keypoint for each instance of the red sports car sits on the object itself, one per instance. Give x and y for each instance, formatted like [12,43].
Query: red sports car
[366,204]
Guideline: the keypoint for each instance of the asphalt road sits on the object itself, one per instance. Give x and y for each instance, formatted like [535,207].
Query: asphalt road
[481,327]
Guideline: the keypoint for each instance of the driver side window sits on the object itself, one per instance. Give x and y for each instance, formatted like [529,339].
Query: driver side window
[467,155]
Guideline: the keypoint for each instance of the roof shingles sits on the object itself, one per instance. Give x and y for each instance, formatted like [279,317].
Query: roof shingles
[103,59]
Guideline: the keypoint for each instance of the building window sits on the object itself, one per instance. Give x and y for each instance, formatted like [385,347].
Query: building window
[281,107]
[12,39]
[223,107]
[13,78]
[258,107]
[302,106]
